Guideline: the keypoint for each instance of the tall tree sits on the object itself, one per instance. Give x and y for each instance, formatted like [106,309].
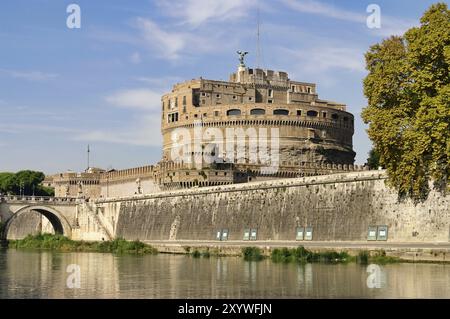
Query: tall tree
[408,112]
[25,182]
[373,161]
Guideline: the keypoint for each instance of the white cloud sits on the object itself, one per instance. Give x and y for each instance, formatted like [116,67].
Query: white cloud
[144,132]
[135,58]
[197,12]
[29,75]
[21,128]
[318,8]
[389,25]
[320,59]
[171,45]
[163,83]
[168,44]
[136,98]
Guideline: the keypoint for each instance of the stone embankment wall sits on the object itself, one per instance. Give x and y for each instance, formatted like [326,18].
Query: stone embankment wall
[338,207]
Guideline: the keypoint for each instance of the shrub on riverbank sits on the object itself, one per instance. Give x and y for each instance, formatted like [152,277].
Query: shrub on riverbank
[303,255]
[363,257]
[62,243]
[252,253]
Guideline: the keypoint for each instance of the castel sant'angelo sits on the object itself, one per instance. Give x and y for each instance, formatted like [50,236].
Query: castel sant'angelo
[256,109]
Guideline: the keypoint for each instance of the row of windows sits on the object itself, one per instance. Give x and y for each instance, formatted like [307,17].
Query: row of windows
[173,117]
[310,113]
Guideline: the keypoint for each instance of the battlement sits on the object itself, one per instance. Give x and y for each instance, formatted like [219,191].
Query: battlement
[129,173]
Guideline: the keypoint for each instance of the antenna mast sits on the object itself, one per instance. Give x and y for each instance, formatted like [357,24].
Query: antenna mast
[258,44]
[88,151]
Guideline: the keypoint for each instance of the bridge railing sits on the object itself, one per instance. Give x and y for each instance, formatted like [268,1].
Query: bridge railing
[37,199]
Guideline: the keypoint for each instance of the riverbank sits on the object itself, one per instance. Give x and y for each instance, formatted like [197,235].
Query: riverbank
[304,252]
[64,244]
[403,252]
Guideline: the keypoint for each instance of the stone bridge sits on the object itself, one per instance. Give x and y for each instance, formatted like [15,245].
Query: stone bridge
[22,215]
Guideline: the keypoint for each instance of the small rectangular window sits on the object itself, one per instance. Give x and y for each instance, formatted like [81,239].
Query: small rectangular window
[216,113]
[253,233]
[246,234]
[225,234]
[270,101]
[372,233]
[300,233]
[382,233]
[299,112]
[308,233]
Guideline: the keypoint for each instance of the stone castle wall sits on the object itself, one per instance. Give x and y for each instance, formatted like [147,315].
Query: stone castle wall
[338,207]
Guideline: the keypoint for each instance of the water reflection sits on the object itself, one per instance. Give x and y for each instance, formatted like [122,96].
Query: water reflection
[31,274]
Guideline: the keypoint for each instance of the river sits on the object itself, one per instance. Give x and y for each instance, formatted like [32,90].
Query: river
[44,274]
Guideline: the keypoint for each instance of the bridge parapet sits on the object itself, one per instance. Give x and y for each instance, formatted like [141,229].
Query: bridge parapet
[38,200]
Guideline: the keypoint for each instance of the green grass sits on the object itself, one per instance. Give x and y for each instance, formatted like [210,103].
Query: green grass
[380,257]
[62,243]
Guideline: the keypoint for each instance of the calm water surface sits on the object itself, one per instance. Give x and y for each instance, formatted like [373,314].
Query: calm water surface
[34,274]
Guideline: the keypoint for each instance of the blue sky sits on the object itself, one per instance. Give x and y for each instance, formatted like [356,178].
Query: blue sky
[61,88]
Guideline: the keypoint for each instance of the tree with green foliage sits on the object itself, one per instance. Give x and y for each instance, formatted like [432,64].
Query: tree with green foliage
[374,159]
[408,112]
[26,181]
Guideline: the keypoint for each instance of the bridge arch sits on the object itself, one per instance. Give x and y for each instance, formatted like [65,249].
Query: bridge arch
[56,218]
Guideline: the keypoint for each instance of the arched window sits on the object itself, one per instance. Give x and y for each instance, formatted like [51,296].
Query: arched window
[311,113]
[233,112]
[280,112]
[257,112]
[345,119]
[334,116]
